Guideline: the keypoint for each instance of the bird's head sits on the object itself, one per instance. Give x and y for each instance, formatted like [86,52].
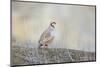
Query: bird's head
[53,24]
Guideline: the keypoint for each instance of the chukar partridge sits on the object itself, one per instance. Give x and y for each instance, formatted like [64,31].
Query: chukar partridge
[47,36]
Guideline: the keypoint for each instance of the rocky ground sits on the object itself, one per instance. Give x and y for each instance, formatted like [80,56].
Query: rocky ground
[24,56]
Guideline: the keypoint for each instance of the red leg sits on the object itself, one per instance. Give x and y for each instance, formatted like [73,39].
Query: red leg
[46,45]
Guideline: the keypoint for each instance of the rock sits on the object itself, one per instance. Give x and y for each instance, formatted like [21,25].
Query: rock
[27,56]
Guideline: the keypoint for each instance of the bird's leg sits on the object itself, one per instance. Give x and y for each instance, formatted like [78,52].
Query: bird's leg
[46,46]
[40,45]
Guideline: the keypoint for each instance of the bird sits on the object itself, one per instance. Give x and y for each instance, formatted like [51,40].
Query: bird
[47,36]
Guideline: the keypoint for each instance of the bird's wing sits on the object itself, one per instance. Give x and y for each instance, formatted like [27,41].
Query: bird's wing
[46,36]
[50,38]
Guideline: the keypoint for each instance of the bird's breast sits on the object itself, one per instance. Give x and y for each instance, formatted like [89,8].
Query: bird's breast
[52,33]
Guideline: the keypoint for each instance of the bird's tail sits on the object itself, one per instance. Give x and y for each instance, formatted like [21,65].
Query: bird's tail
[40,45]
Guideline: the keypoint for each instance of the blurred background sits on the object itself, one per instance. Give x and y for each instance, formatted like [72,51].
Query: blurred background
[75,25]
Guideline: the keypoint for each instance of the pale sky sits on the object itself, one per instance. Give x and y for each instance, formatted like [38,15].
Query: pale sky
[75,28]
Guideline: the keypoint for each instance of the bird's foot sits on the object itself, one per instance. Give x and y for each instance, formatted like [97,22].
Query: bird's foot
[46,46]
